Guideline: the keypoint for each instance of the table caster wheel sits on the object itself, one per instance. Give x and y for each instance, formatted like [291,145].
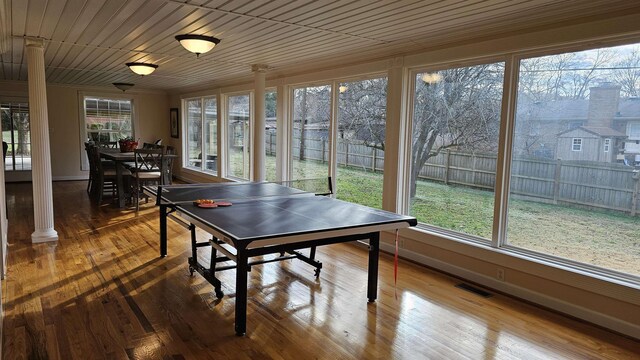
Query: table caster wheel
[317,273]
[191,270]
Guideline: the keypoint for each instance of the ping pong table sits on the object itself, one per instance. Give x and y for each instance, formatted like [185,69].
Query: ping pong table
[268,218]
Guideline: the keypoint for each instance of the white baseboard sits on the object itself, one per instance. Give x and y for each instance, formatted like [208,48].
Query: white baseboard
[615,324]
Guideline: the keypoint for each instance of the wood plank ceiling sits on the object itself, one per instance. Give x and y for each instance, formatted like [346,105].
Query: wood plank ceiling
[89,41]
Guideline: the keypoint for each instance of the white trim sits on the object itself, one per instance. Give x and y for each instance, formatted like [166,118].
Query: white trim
[597,318]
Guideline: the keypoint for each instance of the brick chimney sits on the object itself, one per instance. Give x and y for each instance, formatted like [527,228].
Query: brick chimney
[603,104]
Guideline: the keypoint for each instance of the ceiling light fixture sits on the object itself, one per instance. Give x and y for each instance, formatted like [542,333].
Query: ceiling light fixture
[123,86]
[197,44]
[342,88]
[142,68]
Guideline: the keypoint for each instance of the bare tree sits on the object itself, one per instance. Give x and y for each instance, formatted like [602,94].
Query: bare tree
[311,113]
[627,74]
[461,111]
[362,112]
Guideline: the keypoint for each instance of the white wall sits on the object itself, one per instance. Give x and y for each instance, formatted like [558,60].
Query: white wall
[151,108]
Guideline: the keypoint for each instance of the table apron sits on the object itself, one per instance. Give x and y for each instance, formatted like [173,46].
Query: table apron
[358,232]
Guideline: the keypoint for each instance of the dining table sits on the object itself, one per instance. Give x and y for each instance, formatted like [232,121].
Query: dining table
[122,160]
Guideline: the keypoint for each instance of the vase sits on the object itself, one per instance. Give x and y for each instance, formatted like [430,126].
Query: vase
[128,146]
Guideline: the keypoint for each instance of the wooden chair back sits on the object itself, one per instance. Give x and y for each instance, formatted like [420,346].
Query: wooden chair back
[148,160]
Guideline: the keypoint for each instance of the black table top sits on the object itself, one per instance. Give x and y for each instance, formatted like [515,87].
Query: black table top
[268,210]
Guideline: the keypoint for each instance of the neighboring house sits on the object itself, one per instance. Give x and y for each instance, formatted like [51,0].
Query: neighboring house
[627,120]
[543,126]
[589,143]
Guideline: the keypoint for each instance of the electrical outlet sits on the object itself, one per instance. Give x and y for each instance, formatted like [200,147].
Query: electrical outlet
[500,274]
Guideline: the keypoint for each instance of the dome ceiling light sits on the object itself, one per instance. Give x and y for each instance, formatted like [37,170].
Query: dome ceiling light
[197,44]
[142,68]
[123,86]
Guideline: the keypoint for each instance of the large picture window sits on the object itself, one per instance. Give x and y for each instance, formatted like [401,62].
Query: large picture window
[456,119]
[202,134]
[193,115]
[16,134]
[362,114]
[270,138]
[577,204]
[310,145]
[108,120]
[238,136]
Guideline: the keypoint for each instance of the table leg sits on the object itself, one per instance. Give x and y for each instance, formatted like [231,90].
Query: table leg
[374,251]
[163,230]
[241,291]
[120,184]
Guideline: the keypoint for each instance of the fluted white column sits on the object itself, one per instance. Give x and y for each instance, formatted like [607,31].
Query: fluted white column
[40,149]
[258,122]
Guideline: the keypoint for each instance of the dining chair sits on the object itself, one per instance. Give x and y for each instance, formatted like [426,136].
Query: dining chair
[102,178]
[168,178]
[152,146]
[149,166]
[107,144]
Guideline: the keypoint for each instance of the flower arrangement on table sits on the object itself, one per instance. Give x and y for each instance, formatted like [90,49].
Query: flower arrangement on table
[128,144]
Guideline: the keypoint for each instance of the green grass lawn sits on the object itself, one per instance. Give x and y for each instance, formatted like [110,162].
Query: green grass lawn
[598,237]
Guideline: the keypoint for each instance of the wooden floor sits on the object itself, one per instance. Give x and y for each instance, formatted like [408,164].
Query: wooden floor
[104,293]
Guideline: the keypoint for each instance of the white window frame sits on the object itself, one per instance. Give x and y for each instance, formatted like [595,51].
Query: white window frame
[576,144]
[607,145]
[497,238]
[332,127]
[223,134]
[185,141]
[84,161]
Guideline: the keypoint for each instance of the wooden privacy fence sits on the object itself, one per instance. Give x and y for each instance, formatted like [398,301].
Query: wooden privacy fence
[596,184]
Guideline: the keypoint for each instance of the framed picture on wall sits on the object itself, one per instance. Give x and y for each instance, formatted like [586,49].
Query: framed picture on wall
[174,123]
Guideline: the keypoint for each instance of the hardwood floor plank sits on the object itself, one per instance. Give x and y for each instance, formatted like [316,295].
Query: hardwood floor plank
[104,293]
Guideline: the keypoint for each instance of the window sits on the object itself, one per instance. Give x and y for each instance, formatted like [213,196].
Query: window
[362,113]
[238,136]
[576,144]
[16,133]
[108,120]
[193,114]
[202,125]
[210,148]
[310,145]
[575,211]
[270,137]
[456,119]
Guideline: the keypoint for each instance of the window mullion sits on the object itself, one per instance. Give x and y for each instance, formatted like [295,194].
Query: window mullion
[203,148]
[503,166]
